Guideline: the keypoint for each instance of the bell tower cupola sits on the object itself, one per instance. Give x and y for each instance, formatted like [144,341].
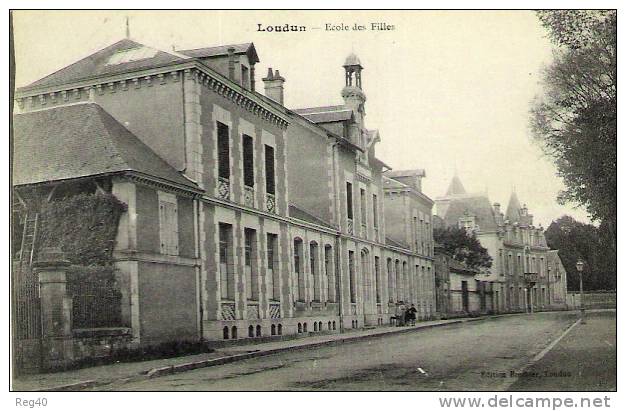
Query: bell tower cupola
[352,93]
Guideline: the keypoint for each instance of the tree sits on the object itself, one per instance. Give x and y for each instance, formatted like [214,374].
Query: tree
[463,247]
[575,119]
[576,240]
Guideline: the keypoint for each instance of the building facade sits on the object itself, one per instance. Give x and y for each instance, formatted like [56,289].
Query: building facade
[244,219]
[519,278]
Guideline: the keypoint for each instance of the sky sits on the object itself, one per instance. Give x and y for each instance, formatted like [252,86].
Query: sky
[446,89]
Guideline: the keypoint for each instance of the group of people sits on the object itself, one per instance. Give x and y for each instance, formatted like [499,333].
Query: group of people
[403,315]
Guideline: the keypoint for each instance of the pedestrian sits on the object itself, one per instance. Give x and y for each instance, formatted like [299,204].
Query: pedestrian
[411,314]
[401,313]
[398,315]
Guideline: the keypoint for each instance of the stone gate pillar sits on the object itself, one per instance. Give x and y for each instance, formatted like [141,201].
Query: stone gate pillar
[56,308]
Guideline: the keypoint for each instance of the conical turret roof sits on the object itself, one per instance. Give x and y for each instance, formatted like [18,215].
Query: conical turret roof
[455,187]
[514,209]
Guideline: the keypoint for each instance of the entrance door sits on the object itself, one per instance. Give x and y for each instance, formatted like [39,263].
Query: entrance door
[465,296]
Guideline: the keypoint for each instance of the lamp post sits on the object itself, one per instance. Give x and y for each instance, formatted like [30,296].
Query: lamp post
[579,266]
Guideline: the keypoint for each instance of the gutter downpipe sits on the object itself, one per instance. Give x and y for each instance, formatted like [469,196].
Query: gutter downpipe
[338,278]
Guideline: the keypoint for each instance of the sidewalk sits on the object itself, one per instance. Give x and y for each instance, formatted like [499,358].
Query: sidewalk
[121,372]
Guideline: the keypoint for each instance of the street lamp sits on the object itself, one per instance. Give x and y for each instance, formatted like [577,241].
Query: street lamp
[579,266]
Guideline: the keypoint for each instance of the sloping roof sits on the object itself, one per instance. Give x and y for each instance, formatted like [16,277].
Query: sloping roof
[513,210]
[396,243]
[455,187]
[478,206]
[78,141]
[391,183]
[418,172]
[119,57]
[460,268]
[309,110]
[326,114]
[300,214]
[244,48]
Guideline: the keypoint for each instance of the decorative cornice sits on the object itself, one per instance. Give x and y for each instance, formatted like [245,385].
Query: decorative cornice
[193,70]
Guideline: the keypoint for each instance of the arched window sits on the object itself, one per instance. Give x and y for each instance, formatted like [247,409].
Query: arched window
[299,327]
[390,291]
[258,331]
[280,329]
[399,296]
[315,326]
[234,332]
[328,271]
[273,329]
[319,326]
[225,331]
[304,327]
[365,270]
[298,269]
[352,276]
[406,284]
[315,271]
[334,325]
[251,331]
[330,326]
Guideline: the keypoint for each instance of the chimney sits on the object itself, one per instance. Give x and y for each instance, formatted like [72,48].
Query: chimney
[231,63]
[274,88]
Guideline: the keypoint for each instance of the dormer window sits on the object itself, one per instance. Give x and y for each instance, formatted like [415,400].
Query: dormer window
[245,77]
[468,223]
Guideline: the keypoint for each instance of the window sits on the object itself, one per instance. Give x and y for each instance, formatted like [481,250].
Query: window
[297,256]
[248,161]
[415,233]
[168,223]
[363,210]
[352,276]
[245,79]
[314,271]
[273,279]
[252,279]
[349,199]
[377,278]
[330,275]
[223,151]
[375,210]
[405,275]
[270,184]
[227,275]
[390,289]
[398,282]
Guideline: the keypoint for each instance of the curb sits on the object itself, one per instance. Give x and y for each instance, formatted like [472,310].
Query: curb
[174,369]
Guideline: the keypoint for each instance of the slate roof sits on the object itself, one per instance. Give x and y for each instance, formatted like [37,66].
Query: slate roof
[477,206]
[326,114]
[81,140]
[391,183]
[513,210]
[300,214]
[419,172]
[396,243]
[244,48]
[460,268]
[455,187]
[99,64]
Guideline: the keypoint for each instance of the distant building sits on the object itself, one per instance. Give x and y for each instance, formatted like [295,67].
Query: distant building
[519,277]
